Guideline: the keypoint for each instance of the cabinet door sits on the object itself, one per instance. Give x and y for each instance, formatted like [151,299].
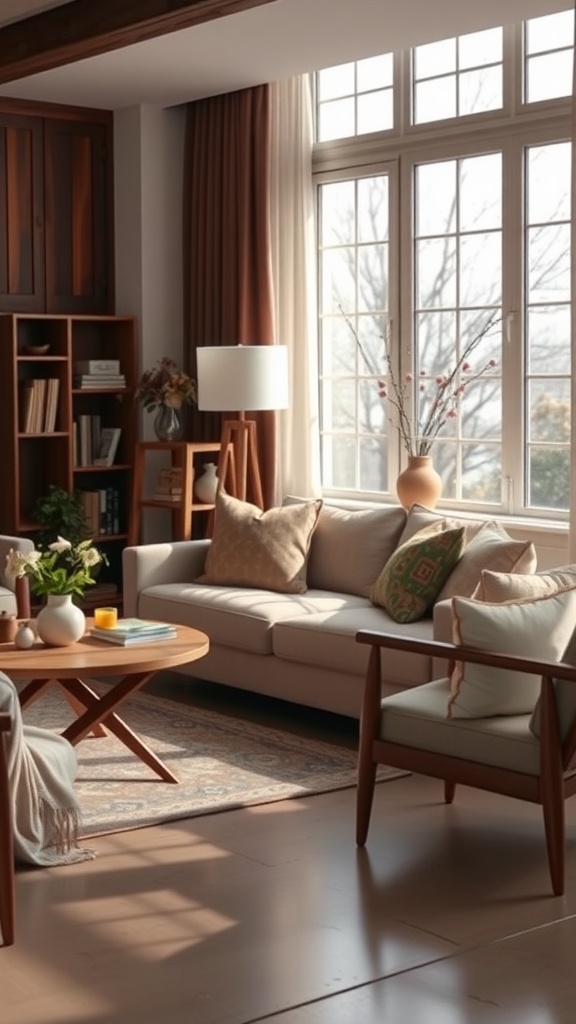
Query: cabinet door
[21,214]
[78,199]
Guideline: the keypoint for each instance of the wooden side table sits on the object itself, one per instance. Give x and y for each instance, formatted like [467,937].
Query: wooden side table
[181,458]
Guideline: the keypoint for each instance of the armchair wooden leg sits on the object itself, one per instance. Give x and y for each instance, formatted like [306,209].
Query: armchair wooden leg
[449,791]
[7,900]
[369,726]
[552,781]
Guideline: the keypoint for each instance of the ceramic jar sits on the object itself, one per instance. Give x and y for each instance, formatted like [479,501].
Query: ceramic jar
[419,483]
[60,622]
[8,627]
[207,484]
[25,637]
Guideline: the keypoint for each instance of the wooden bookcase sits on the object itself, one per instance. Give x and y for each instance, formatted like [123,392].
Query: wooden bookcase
[42,347]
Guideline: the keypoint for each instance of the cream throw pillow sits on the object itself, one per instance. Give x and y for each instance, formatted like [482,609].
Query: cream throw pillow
[492,549]
[419,518]
[267,550]
[539,628]
[504,586]
[350,547]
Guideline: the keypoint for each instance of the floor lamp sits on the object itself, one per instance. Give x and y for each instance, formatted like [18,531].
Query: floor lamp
[241,378]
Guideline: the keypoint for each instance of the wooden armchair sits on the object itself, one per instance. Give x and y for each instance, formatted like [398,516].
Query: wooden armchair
[411,730]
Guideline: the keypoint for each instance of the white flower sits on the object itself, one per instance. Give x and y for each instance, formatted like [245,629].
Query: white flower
[60,545]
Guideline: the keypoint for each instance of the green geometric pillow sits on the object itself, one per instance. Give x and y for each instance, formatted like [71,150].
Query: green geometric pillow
[415,574]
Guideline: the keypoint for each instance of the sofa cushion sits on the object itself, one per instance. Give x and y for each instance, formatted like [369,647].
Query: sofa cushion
[417,717]
[267,550]
[327,640]
[236,618]
[350,547]
[414,575]
[539,628]
[492,549]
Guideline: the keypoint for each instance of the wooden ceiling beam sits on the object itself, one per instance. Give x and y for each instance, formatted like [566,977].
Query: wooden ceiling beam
[86,28]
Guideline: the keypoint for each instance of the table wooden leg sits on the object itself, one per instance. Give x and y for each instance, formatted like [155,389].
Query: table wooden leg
[100,711]
[36,687]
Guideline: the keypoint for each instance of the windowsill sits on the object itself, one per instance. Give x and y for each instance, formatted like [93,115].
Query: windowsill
[514,522]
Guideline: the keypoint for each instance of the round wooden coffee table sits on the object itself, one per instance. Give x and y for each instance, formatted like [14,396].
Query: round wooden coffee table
[93,658]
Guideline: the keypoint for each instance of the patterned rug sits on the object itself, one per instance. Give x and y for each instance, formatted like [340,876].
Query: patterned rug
[222,763]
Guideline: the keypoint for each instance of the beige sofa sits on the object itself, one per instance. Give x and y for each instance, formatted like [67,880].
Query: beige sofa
[301,647]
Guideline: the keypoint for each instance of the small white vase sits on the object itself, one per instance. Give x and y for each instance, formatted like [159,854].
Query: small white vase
[60,622]
[206,485]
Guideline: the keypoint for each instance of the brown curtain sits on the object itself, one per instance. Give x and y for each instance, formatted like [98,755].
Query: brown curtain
[227,271]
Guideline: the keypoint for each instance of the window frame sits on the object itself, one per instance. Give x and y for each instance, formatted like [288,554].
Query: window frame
[512,129]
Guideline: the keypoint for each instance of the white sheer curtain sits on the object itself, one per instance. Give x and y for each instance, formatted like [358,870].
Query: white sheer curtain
[293,272]
[572,518]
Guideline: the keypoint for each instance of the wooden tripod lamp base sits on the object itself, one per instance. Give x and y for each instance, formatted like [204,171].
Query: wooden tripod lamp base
[241,435]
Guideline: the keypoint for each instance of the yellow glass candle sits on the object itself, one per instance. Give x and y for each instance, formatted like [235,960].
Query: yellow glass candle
[105,618]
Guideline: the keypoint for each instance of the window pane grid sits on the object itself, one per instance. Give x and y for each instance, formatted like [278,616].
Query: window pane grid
[463,214]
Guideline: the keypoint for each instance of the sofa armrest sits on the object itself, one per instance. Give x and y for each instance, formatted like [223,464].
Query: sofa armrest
[148,565]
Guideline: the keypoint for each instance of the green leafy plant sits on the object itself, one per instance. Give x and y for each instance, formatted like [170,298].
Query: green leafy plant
[63,568]
[60,513]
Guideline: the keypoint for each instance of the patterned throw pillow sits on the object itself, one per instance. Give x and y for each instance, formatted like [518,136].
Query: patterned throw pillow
[414,575]
[268,550]
[539,628]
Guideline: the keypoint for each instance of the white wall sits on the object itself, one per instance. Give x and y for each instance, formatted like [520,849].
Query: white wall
[148,168]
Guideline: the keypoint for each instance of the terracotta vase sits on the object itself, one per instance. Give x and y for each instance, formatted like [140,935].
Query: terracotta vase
[419,483]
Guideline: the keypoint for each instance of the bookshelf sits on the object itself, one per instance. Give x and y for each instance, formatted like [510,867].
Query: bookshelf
[46,402]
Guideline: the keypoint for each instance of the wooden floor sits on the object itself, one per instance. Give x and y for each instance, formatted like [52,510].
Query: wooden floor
[271,914]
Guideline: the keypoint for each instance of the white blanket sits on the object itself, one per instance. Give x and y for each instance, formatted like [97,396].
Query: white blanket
[41,768]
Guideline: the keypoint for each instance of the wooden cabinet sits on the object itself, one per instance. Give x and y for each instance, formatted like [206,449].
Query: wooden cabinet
[56,210]
[38,354]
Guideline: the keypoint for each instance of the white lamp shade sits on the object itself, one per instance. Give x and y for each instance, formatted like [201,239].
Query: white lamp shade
[236,378]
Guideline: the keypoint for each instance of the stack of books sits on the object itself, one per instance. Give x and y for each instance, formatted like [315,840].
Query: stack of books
[98,373]
[135,631]
[169,486]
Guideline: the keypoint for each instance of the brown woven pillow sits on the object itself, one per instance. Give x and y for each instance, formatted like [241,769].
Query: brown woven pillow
[266,550]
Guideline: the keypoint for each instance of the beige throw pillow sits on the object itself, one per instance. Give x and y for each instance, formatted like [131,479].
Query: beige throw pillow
[505,586]
[350,547]
[539,628]
[492,549]
[419,518]
[267,550]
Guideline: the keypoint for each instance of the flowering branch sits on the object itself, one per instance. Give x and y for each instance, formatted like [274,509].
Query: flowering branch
[449,391]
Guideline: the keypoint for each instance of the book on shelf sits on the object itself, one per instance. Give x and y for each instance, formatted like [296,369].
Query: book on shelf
[51,405]
[96,366]
[85,439]
[100,381]
[109,438]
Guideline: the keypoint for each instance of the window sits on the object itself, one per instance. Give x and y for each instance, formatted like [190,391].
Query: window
[452,237]
[355,99]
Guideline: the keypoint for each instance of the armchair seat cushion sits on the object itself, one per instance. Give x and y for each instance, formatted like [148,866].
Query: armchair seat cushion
[416,717]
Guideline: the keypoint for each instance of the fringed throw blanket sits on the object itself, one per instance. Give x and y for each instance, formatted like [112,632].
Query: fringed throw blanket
[41,768]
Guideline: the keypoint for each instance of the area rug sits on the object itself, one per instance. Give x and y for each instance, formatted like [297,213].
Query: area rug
[222,762]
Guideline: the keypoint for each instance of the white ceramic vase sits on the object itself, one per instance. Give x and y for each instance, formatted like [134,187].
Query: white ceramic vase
[206,485]
[60,622]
